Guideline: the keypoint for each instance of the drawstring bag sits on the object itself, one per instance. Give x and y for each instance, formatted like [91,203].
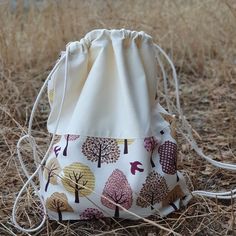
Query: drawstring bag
[116,151]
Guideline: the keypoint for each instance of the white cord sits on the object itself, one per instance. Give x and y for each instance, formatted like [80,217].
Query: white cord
[159,49]
[165,82]
[189,137]
[33,145]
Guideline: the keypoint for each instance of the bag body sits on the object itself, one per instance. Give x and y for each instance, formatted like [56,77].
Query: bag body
[117,148]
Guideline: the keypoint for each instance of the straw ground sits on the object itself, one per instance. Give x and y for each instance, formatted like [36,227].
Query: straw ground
[200,38]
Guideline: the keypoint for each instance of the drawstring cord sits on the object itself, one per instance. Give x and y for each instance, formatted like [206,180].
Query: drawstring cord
[33,145]
[165,82]
[189,137]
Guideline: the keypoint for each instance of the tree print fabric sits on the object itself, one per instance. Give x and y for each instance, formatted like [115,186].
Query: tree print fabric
[154,190]
[79,180]
[58,202]
[101,150]
[118,190]
[100,179]
[91,213]
[168,157]
[94,187]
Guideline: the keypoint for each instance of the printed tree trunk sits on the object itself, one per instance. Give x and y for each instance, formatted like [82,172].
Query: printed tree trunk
[76,177]
[150,144]
[101,150]
[91,213]
[69,137]
[154,190]
[168,157]
[58,202]
[119,191]
[172,196]
[172,121]
[126,143]
[51,170]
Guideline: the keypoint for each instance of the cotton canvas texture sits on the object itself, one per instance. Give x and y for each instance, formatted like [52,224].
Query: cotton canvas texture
[115,143]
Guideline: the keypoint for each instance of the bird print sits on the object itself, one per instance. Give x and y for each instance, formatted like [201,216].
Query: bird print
[134,167]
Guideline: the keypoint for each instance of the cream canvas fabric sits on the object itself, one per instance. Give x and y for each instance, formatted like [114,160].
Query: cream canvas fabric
[115,139]
[112,77]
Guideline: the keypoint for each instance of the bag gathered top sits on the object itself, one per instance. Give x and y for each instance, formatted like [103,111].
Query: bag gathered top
[114,148]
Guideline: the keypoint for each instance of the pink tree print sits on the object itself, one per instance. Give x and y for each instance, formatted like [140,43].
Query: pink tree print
[118,190]
[69,137]
[101,150]
[150,144]
[91,213]
[168,157]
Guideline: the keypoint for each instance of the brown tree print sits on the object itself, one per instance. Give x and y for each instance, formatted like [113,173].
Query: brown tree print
[168,157]
[69,137]
[91,213]
[172,196]
[154,190]
[118,190]
[101,150]
[126,143]
[173,125]
[58,202]
[51,170]
[78,179]
[150,143]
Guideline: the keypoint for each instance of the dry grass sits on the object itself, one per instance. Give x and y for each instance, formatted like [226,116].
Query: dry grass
[199,36]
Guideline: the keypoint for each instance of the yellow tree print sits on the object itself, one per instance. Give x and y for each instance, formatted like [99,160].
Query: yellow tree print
[58,202]
[76,177]
[51,170]
[126,143]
